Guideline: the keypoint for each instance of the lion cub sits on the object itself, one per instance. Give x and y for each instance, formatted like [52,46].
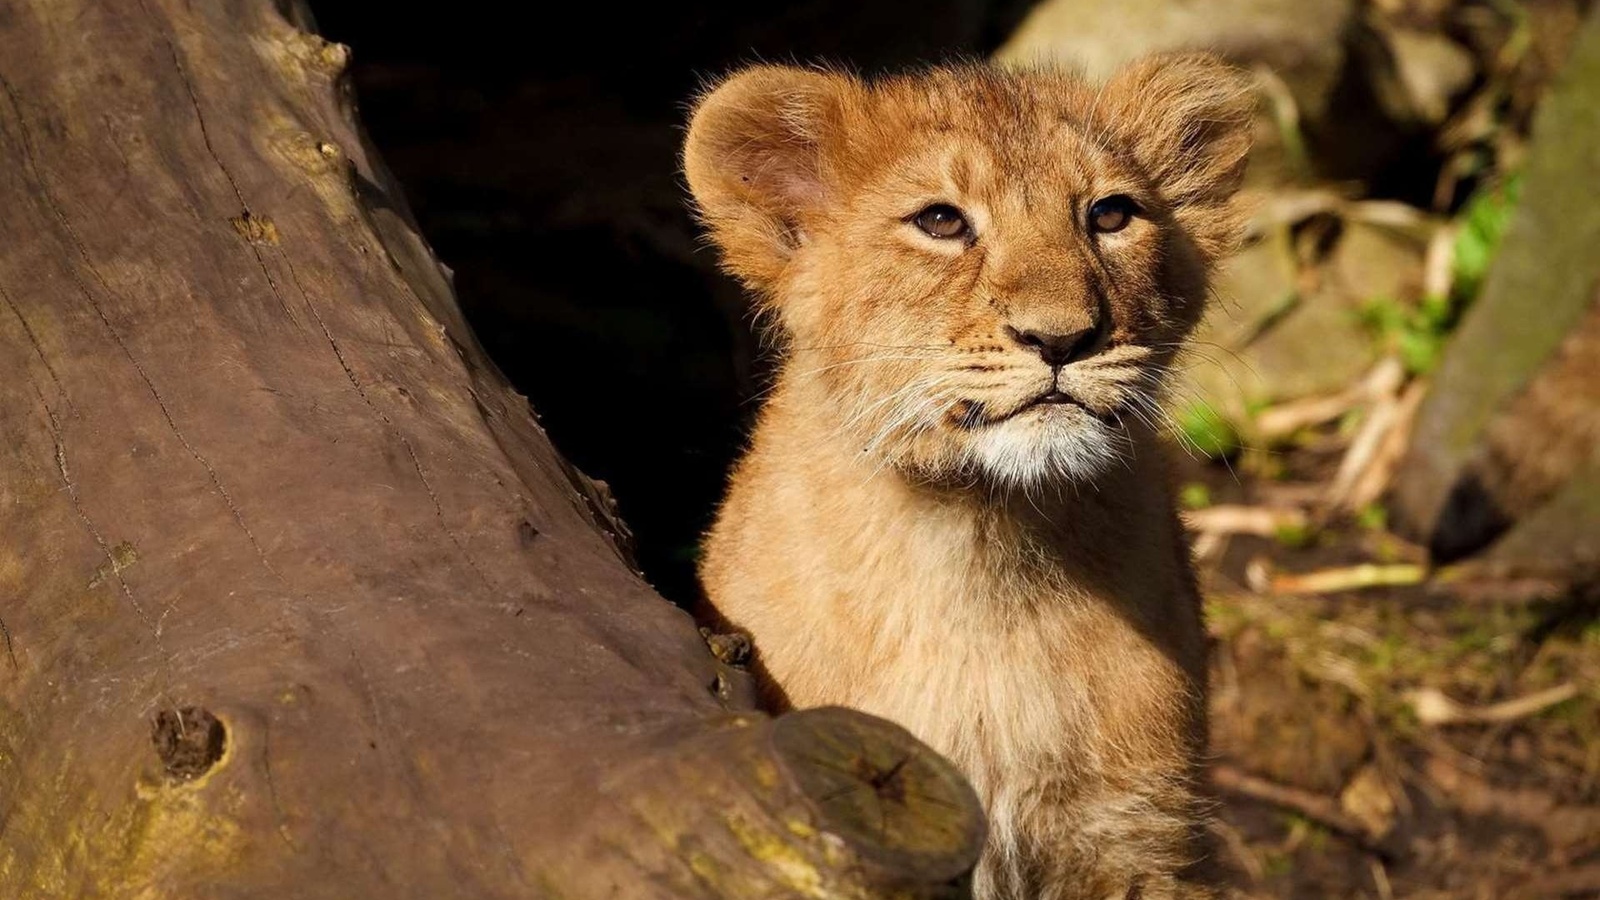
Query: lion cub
[954,512]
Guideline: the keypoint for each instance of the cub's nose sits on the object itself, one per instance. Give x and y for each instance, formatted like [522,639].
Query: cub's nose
[1056,349]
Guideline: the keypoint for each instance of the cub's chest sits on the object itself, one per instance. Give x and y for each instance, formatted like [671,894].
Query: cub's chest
[976,687]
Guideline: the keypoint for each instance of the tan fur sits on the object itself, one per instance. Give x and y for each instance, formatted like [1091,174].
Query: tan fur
[906,535]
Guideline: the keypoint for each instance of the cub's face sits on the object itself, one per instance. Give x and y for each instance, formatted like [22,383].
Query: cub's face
[986,274]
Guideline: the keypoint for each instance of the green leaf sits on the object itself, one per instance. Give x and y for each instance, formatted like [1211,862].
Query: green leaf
[1373,517]
[1208,432]
[1195,495]
[1482,224]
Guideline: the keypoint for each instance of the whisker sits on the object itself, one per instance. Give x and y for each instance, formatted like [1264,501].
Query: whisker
[816,347]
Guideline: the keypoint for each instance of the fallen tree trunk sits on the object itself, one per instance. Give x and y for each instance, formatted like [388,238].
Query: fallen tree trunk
[296,598]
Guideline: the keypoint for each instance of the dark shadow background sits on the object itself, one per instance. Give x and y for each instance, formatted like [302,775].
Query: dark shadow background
[540,157]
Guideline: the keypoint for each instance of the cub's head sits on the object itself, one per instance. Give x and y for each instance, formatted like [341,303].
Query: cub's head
[985,273]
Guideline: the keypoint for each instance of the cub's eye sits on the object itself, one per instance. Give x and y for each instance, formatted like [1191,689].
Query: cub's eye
[1112,214]
[943,221]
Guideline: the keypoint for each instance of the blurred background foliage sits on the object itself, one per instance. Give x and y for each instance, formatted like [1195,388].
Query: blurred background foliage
[1391,416]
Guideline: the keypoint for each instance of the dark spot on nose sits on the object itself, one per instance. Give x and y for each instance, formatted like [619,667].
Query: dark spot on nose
[1057,349]
[188,740]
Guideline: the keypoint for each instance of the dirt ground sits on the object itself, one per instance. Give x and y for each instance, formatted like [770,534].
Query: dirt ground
[1380,730]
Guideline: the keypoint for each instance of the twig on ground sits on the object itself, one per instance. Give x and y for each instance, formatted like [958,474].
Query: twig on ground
[1277,422]
[1262,521]
[1381,388]
[1394,215]
[1380,878]
[1208,545]
[1384,379]
[1258,575]
[1438,267]
[1375,453]
[1433,707]
[1323,811]
[1348,578]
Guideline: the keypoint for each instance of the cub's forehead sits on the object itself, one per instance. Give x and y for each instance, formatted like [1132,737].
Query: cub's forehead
[983,100]
[980,124]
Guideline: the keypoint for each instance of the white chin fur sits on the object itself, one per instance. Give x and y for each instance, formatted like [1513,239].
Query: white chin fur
[1049,446]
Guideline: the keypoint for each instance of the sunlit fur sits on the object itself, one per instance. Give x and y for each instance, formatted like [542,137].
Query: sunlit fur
[910,533]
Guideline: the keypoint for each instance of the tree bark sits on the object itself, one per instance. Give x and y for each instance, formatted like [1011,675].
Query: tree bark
[296,598]
[1505,455]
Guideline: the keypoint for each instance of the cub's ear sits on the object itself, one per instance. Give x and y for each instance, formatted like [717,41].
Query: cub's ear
[755,159]
[1188,119]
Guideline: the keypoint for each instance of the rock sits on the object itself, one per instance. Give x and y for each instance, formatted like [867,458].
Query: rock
[1374,262]
[1431,70]
[1256,285]
[1274,336]
[1252,290]
[1413,76]
[1316,347]
[1319,348]
[1348,94]
[1508,439]
[1298,40]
